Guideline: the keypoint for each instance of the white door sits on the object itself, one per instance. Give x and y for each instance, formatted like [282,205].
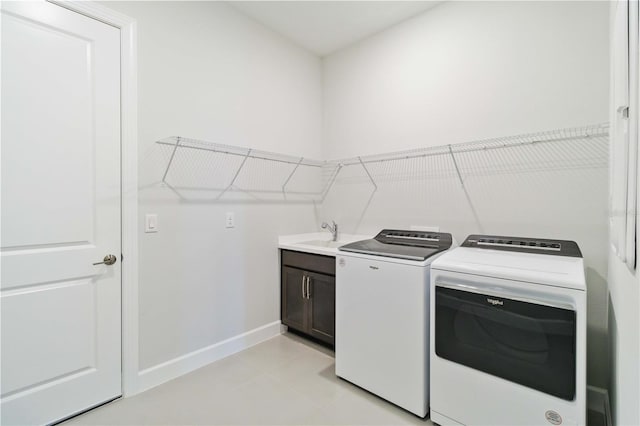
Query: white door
[60,213]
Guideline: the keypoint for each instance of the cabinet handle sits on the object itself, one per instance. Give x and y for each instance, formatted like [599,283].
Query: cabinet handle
[308,290]
[304,295]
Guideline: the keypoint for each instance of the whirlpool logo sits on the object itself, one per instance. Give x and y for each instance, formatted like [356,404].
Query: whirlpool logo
[553,417]
[495,302]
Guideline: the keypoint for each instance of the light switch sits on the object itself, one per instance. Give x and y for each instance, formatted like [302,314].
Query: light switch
[151,223]
[231,220]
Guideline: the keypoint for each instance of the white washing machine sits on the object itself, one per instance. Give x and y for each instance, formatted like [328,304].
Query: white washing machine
[382,314]
[508,333]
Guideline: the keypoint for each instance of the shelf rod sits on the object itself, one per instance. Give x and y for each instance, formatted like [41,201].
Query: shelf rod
[175,148]
[284,185]
[259,157]
[262,191]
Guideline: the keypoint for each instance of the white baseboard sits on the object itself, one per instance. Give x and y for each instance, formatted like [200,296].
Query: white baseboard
[161,373]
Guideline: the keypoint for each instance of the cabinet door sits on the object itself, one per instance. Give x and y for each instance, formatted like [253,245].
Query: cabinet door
[293,304]
[322,306]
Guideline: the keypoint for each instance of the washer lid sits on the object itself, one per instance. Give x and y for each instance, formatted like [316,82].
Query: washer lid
[411,245]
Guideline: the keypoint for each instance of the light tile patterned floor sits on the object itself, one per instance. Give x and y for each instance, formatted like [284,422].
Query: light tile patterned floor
[283,381]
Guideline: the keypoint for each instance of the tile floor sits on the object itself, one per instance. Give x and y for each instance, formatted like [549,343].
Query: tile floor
[283,381]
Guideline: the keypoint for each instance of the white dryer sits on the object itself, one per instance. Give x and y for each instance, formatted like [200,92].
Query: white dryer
[508,333]
[382,314]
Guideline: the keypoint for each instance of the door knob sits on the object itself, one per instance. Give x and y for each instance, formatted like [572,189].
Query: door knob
[108,260]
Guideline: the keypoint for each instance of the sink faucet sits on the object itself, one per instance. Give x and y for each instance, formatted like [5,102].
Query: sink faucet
[331,228]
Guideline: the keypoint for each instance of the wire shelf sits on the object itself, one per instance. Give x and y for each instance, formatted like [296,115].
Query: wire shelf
[195,144]
[225,169]
[597,130]
[263,175]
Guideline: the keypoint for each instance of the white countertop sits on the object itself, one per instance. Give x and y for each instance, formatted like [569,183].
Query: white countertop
[318,242]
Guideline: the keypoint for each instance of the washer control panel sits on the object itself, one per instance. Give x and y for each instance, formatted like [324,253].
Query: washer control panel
[414,238]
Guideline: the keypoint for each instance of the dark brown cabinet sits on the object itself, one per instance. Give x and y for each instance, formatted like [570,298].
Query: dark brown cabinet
[308,294]
[294,298]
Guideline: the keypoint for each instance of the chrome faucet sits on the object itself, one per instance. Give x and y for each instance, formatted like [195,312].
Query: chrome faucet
[331,228]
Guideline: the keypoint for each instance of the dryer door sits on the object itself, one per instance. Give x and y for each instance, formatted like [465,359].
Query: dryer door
[512,335]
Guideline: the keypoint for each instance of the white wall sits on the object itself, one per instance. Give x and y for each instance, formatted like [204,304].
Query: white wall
[208,72]
[624,335]
[465,71]
[624,285]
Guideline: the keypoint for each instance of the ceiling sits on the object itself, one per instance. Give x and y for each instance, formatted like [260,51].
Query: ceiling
[323,27]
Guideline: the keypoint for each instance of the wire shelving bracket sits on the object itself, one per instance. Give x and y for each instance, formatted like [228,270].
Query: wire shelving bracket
[293,172]
[375,186]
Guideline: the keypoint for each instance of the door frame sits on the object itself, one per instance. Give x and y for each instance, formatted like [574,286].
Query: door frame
[128,176]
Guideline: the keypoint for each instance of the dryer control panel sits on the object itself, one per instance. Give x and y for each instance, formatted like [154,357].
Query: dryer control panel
[524,245]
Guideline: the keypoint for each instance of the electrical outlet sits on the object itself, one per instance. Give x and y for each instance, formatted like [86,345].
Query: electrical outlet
[231,220]
[151,223]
